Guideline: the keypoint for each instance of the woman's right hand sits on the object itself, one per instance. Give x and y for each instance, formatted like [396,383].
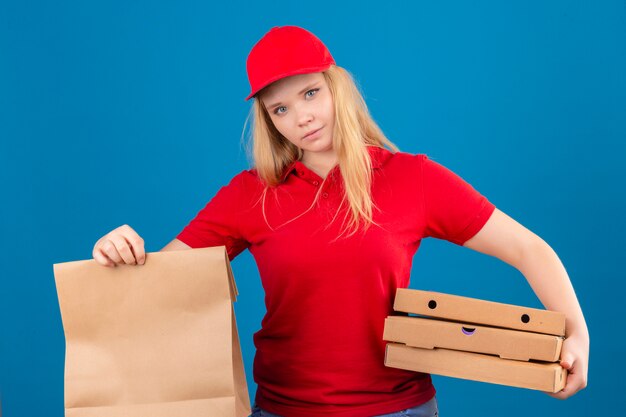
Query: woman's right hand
[120,246]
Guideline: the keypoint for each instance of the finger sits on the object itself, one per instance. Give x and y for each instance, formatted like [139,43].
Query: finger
[136,246]
[123,248]
[570,389]
[573,384]
[568,361]
[109,250]
[561,395]
[135,242]
[102,259]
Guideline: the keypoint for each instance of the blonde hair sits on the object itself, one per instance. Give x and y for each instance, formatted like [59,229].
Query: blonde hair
[354,130]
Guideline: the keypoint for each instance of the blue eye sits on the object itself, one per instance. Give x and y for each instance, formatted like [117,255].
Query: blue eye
[314,90]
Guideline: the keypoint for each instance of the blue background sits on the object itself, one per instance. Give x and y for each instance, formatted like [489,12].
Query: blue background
[117,112]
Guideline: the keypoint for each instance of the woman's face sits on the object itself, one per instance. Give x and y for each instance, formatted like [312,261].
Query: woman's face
[299,105]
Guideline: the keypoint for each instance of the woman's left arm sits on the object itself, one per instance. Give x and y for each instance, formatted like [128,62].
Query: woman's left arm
[512,243]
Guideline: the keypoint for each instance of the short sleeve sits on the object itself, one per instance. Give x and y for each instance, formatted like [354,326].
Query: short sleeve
[218,223]
[453,209]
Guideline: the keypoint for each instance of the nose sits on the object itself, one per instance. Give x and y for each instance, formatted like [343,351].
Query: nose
[304,116]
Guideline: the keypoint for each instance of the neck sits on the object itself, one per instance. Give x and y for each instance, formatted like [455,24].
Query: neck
[320,162]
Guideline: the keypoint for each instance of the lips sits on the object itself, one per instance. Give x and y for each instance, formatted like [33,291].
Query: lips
[310,133]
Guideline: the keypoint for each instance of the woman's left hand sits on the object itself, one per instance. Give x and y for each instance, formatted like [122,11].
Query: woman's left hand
[574,358]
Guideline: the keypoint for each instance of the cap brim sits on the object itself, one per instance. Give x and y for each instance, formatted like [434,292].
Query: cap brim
[307,70]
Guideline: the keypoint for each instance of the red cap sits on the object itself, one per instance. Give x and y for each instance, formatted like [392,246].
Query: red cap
[285,51]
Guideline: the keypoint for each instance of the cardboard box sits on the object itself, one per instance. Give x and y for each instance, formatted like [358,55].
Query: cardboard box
[429,333]
[475,311]
[549,377]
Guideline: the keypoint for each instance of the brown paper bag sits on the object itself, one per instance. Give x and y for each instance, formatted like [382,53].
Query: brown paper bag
[158,339]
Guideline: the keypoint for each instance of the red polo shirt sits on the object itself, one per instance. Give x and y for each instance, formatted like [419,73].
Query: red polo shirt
[320,351]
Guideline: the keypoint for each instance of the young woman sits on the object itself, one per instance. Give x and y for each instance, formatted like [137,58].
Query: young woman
[333,219]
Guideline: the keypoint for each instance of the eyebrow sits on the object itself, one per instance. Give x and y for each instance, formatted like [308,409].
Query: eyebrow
[301,91]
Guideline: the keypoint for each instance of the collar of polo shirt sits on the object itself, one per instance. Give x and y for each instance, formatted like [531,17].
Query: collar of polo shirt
[377,155]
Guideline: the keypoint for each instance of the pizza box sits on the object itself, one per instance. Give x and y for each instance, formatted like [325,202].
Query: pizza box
[476,311]
[431,333]
[542,376]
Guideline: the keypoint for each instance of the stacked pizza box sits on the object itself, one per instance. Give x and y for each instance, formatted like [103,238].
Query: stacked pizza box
[475,339]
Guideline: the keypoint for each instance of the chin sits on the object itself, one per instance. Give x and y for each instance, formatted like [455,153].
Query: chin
[320,145]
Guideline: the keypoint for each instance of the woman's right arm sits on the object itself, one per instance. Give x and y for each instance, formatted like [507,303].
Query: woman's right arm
[124,246]
[175,245]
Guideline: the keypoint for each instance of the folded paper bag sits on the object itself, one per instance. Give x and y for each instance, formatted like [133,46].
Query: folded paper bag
[158,339]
